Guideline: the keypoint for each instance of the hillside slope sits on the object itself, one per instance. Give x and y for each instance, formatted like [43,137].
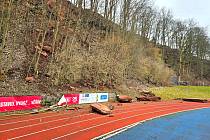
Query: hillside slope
[57,45]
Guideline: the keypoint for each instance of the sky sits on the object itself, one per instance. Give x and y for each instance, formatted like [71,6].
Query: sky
[199,10]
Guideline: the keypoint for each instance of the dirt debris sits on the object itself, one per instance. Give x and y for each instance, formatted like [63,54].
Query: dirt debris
[195,100]
[146,95]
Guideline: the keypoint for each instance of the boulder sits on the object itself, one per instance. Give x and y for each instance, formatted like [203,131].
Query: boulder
[124,98]
[30,79]
[47,48]
[43,53]
[100,108]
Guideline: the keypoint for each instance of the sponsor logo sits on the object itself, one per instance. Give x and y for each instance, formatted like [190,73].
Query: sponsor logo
[19,103]
[87,95]
[104,97]
[5,104]
[74,99]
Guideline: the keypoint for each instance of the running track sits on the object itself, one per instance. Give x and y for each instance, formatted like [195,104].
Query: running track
[74,125]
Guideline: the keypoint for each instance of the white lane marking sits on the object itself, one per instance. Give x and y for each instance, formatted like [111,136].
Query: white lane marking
[47,117]
[123,119]
[117,131]
[7,117]
[34,119]
[65,118]
[87,114]
[11,117]
[124,105]
[75,123]
[97,118]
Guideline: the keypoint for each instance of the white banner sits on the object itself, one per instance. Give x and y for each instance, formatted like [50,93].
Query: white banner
[87,98]
[102,97]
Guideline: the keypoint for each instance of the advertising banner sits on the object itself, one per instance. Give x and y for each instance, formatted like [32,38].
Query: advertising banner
[102,97]
[88,98]
[83,98]
[19,103]
[69,99]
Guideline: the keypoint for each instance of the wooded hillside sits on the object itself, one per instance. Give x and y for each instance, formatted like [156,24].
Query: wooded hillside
[96,43]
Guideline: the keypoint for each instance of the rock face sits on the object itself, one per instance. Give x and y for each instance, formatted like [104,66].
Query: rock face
[147,96]
[124,98]
[100,108]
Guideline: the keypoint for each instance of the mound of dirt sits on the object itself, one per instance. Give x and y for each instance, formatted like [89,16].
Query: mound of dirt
[147,96]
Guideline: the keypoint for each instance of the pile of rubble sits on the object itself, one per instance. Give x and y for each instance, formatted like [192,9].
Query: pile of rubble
[195,100]
[146,95]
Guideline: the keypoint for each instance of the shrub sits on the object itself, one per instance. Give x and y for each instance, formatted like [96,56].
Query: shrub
[148,67]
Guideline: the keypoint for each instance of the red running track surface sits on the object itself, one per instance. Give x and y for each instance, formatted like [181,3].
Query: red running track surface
[84,125]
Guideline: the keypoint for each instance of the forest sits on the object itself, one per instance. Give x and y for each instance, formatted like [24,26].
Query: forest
[98,43]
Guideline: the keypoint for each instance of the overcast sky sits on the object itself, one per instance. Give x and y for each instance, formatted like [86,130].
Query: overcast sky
[185,9]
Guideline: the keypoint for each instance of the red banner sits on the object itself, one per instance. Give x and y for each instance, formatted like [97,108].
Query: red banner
[19,103]
[69,99]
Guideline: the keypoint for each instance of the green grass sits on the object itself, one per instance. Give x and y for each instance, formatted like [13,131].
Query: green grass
[168,93]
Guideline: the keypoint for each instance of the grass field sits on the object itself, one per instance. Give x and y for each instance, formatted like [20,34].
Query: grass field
[167,93]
